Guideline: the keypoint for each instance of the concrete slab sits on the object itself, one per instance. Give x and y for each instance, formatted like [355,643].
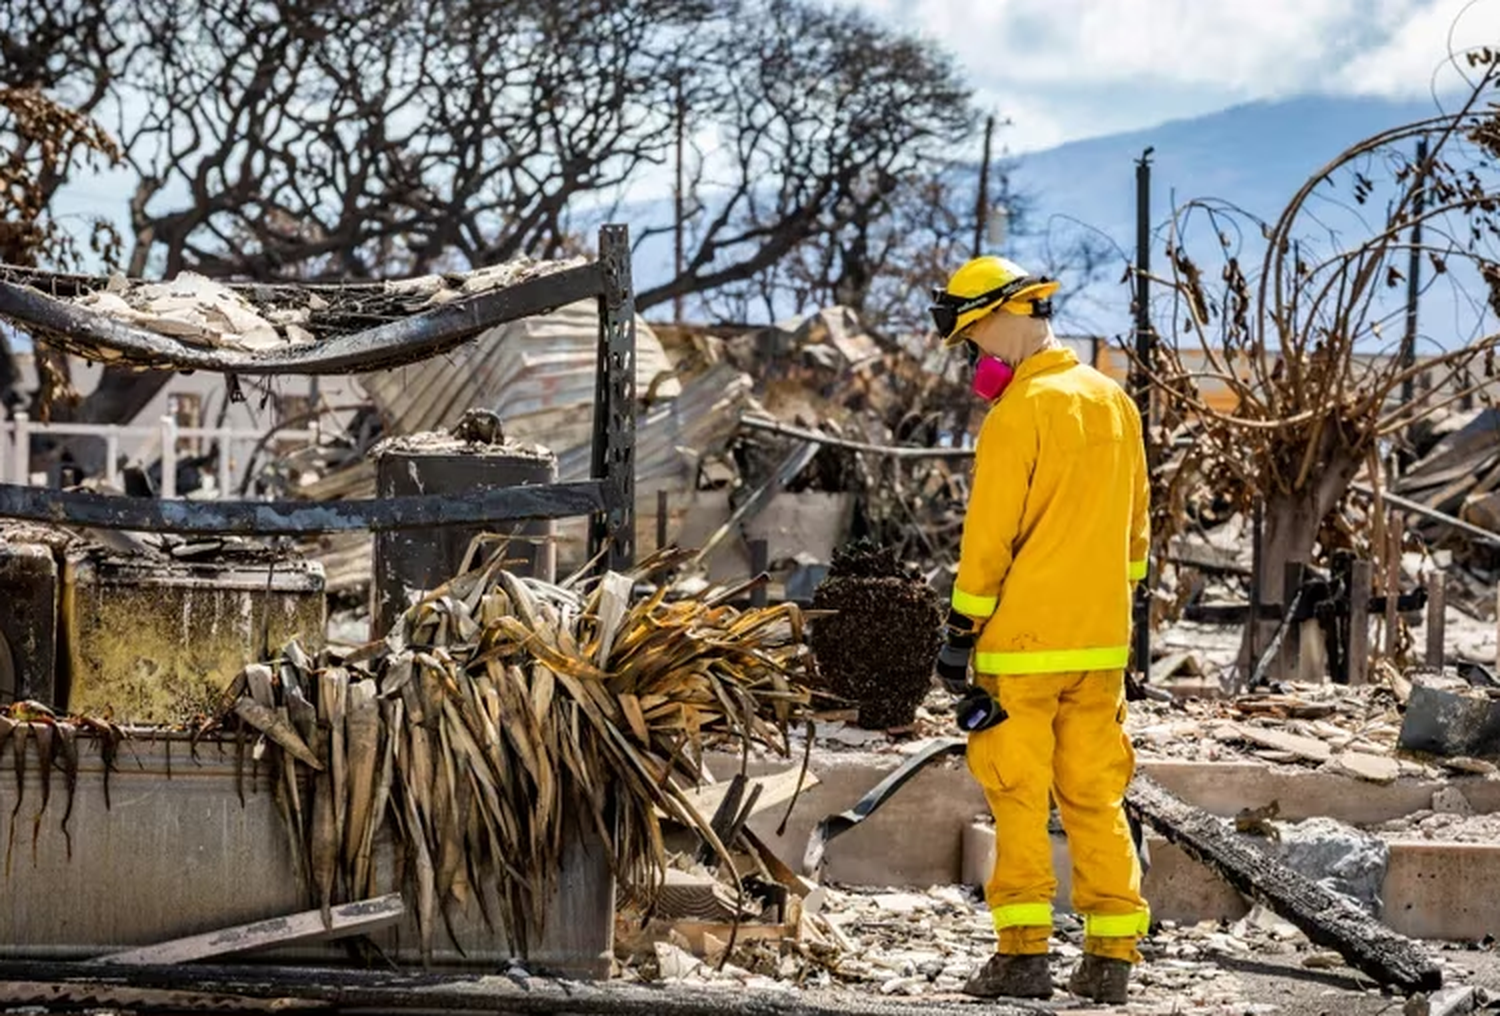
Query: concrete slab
[1223,788]
[1443,890]
[916,838]
[176,854]
[1435,891]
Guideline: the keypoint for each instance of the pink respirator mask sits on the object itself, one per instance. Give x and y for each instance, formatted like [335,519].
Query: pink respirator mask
[991,376]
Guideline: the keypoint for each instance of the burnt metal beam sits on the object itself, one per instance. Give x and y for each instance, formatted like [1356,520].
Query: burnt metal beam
[612,536]
[1140,384]
[609,496]
[429,333]
[1417,508]
[295,518]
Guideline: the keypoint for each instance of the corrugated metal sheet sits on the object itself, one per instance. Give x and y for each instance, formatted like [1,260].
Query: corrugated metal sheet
[537,374]
[672,437]
[670,440]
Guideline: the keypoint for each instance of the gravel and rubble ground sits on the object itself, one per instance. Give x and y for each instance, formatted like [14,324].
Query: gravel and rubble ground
[1442,827]
[924,945]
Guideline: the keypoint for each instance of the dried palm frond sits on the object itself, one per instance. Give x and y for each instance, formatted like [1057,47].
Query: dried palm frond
[500,710]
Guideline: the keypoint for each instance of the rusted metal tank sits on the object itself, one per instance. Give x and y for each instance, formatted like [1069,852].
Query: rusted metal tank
[156,641]
[177,852]
[408,563]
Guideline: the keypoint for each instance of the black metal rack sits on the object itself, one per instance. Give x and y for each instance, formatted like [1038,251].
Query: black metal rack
[608,496]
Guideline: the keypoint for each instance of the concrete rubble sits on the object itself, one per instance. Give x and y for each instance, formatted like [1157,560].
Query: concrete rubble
[925,944]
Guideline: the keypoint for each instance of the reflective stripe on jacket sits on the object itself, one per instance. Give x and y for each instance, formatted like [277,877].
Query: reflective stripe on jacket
[1057,526]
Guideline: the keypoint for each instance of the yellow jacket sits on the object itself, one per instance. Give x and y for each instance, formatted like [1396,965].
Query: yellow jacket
[1057,527]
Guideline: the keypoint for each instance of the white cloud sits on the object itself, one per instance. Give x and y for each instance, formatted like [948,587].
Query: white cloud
[1065,69]
[1413,60]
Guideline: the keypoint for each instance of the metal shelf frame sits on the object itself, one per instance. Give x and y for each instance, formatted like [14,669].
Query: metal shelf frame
[608,496]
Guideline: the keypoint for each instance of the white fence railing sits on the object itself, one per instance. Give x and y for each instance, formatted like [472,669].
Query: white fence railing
[16,434]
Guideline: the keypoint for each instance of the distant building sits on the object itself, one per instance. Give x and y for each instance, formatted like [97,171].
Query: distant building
[201,399]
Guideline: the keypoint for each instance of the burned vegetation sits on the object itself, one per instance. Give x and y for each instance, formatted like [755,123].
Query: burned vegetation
[876,646]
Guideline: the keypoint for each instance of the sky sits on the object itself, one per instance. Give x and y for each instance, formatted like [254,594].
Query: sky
[1063,70]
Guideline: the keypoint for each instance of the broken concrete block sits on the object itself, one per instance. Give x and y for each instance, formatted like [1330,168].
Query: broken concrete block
[1363,766]
[1343,859]
[674,962]
[28,623]
[1451,722]
[158,641]
[1451,801]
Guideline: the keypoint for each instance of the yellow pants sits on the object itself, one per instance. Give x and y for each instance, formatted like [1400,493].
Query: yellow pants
[1065,736]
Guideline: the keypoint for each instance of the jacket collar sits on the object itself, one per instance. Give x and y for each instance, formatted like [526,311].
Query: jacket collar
[1045,362]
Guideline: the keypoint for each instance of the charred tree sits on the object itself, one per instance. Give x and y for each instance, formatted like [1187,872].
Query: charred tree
[1279,386]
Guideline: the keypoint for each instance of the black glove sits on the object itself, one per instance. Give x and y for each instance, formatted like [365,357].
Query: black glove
[953,659]
[976,710]
[953,668]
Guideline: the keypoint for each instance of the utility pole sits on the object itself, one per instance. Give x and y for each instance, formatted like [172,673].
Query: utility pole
[678,199]
[1413,273]
[982,212]
[1141,384]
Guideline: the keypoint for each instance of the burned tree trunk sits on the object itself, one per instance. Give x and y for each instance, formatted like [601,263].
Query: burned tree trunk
[1293,520]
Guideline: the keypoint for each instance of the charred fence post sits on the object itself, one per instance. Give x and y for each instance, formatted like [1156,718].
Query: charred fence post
[1435,609]
[1289,659]
[1357,650]
[613,531]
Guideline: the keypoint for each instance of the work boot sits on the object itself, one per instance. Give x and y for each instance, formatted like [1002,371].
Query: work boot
[1010,976]
[1100,979]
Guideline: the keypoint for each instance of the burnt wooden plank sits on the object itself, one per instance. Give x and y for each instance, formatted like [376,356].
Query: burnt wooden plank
[1324,917]
[345,920]
[1358,651]
[57,985]
[295,518]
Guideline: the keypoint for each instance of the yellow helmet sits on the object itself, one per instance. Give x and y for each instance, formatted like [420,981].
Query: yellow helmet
[987,284]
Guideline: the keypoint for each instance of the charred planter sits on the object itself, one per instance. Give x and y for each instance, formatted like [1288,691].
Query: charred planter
[877,650]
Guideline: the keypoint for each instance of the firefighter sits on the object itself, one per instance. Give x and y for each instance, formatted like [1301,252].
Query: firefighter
[1054,541]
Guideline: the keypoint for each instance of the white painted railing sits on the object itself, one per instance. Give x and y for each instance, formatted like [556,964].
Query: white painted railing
[16,434]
